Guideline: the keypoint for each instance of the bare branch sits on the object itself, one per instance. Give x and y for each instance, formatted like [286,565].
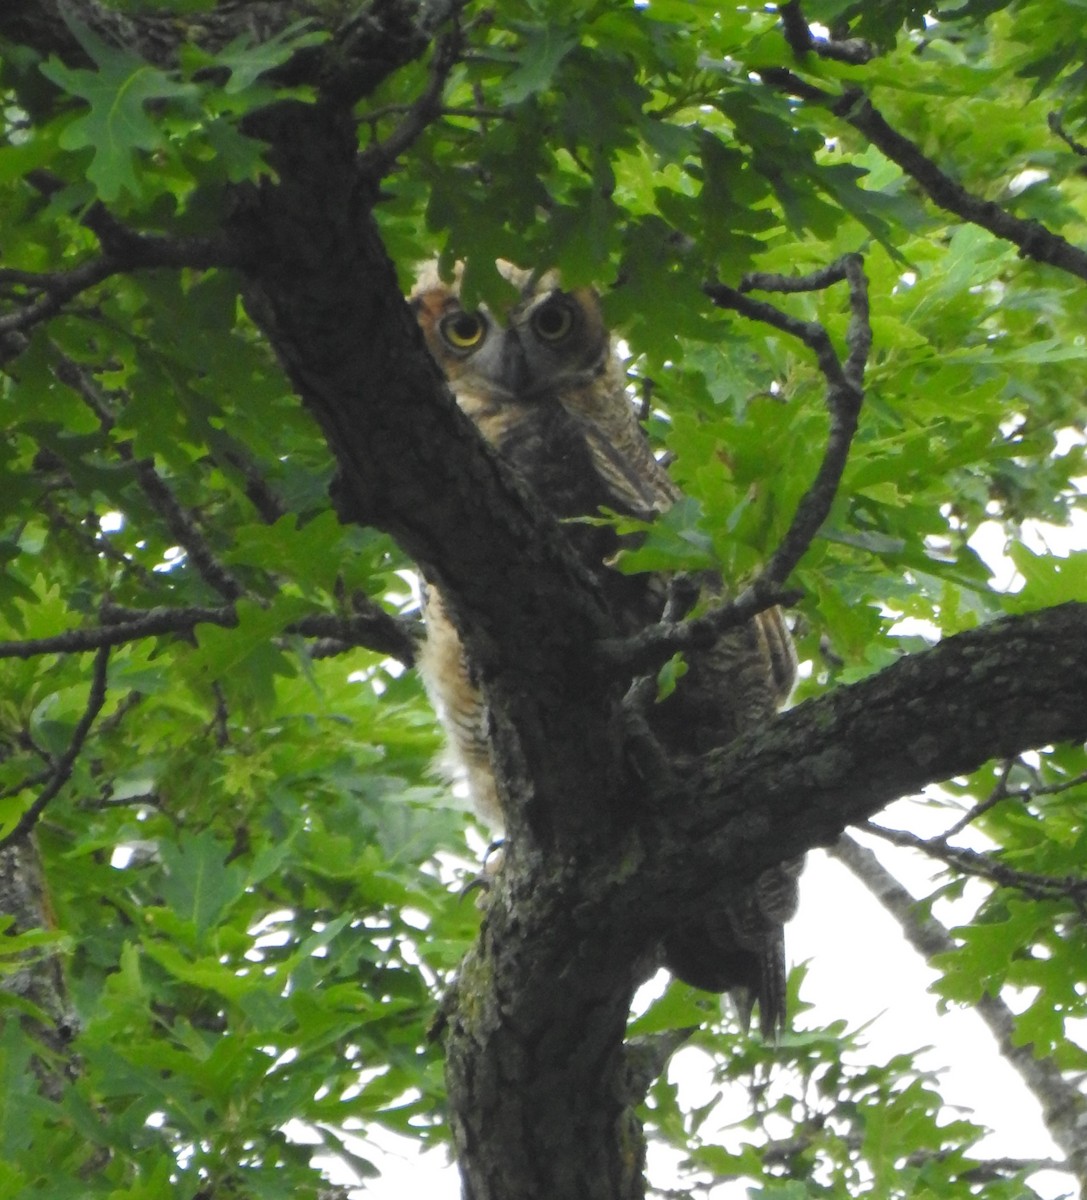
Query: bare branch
[853,106]
[785,1152]
[377,160]
[844,397]
[41,296]
[650,647]
[1057,125]
[46,294]
[985,866]
[373,629]
[62,769]
[370,627]
[800,37]
[1032,237]
[1063,1104]
[1002,792]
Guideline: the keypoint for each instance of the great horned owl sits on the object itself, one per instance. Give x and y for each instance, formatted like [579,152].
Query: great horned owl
[547,391]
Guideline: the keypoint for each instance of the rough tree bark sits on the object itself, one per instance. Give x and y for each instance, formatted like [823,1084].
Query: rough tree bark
[610,845]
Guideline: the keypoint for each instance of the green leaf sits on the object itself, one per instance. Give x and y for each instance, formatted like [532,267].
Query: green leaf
[117,124]
[543,47]
[247,60]
[669,675]
[197,884]
[1049,579]
[676,541]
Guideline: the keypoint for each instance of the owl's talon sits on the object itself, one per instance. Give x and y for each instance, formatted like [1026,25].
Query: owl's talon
[493,858]
[476,883]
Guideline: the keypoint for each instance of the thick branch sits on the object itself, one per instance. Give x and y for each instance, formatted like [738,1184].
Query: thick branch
[834,761]
[412,464]
[589,922]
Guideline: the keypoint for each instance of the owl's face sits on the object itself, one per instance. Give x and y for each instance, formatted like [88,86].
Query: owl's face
[551,340]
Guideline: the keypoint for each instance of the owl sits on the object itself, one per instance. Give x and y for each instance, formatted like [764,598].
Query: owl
[544,386]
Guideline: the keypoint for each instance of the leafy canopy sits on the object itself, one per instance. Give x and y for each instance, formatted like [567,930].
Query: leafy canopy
[252,864]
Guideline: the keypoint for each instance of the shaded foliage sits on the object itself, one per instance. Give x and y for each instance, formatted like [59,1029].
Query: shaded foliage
[251,862]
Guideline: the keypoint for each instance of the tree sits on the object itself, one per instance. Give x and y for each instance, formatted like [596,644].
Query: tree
[226,862]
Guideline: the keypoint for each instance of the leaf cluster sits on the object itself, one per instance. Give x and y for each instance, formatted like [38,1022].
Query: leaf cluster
[249,863]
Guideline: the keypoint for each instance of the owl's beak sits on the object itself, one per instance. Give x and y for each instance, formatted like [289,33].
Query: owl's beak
[514,364]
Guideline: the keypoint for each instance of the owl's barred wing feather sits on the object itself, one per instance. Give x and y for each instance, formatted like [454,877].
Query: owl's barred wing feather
[458,701]
[633,491]
[548,393]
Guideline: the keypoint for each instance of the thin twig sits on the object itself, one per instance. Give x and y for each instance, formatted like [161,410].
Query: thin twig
[377,159]
[1057,125]
[984,866]
[995,797]
[62,769]
[373,630]
[179,523]
[96,544]
[650,647]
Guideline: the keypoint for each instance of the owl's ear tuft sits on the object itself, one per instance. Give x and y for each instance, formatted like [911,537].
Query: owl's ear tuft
[428,277]
[528,283]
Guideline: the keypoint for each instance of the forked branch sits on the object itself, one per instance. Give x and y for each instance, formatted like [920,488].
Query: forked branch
[985,866]
[1063,1103]
[844,395]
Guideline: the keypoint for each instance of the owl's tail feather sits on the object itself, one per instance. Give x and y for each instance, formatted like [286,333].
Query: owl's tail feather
[773,988]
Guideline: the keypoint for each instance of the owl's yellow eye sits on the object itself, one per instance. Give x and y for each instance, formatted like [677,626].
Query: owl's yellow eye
[552,321]
[463,330]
